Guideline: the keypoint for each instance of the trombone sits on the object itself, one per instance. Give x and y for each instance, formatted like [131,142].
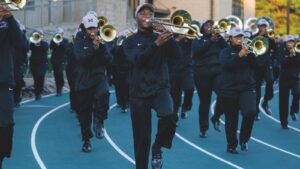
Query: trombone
[221,26]
[106,32]
[258,46]
[13,5]
[180,23]
[36,37]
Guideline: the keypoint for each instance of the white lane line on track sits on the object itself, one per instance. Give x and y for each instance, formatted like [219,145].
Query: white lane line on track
[258,140]
[207,152]
[273,118]
[33,135]
[37,106]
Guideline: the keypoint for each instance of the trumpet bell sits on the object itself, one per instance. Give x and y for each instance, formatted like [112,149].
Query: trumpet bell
[102,20]
[259,45]
[14,4]
[35,38]
[108,33]
[297,47]
[58,38]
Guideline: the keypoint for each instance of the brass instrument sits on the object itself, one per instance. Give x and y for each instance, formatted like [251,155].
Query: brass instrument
[192,34]
[102,20]
[271,33]
[13,5]
[258,46]
[235,21]
[107,33]
[180,23]
[251,24]
[58,38]
[36,37]
[297,47]
[221,26]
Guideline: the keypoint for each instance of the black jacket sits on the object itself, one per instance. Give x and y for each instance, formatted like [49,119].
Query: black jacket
[237,73]
[21,59]
[91,63]
[290,68]
[39,53]
[205,53]
[11,39]
[149,73]
[58,52]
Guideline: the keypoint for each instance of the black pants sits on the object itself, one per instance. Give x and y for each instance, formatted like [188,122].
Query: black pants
[218,110]
[205,86]
[38,73]
[122,89]
[6,142]
[58,70]
[71,80]
[141,124]
[187,99]
[245,102]
[284,94]
[18,90]
[91,101]
[267,76]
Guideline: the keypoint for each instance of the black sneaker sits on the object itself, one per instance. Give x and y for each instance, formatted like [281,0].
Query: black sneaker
[157,161]
[87,147]
[294,116]
[244,146]
[285,127]
[266,108]
[216,124]
[123,110]
[183,114]
[98,129]
[232,151]
[203,134]
[257,117]
[38,97]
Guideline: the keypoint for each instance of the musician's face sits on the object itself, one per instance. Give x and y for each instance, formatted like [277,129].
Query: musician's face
[207,28]
[290,44]
[263,29]
[142,17]
[91,32]
[236,40]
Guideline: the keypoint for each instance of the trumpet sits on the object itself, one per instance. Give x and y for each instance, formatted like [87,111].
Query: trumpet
[107,33]
[13,5]
[58,38]
[258,46]
[102,20]
[297,47]
[271,33]
[36,37]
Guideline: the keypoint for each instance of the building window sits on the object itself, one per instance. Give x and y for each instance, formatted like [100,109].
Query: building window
[238,8]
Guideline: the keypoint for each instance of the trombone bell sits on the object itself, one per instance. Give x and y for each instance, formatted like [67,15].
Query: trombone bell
[108,33]
[13,4]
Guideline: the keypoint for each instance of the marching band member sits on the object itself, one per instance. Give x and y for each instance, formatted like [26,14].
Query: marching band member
[148,54]
[11,39]
[237,91]
[207,67]
[289,81]
[264,71]
[58,59]
[38,63]
[91,83]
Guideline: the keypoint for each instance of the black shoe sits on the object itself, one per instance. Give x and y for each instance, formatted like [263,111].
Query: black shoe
[257,117]
[216,124]
[38,97]
[285,127]
[87,147]
[99,129]
[203,134]
[17,105]
[157,161]
[294,116]
[244,146]
[266,108]
[232,151]
[183,114]
[123,110]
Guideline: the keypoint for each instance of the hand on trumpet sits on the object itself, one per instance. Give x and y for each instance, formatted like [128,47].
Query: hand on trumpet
[163,38]
[96,41]
[245,51]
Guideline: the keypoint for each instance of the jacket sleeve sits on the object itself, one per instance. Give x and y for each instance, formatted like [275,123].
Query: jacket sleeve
[104,56]
[135,56]
[82,55]
[173,49]
[199,46]
[16,34]
[228,60]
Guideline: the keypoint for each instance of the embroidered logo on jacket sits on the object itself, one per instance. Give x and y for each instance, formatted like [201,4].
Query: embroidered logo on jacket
[3,24]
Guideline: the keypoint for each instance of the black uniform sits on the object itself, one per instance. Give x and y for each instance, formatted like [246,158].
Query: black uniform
[71,73]
[38,65]
[207,68]
[91,85]
[237,92]
[149,89]
[289,81]
[19,68]
[120,71]
[11,39]
[181,77]
[58,59]
[264,72]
